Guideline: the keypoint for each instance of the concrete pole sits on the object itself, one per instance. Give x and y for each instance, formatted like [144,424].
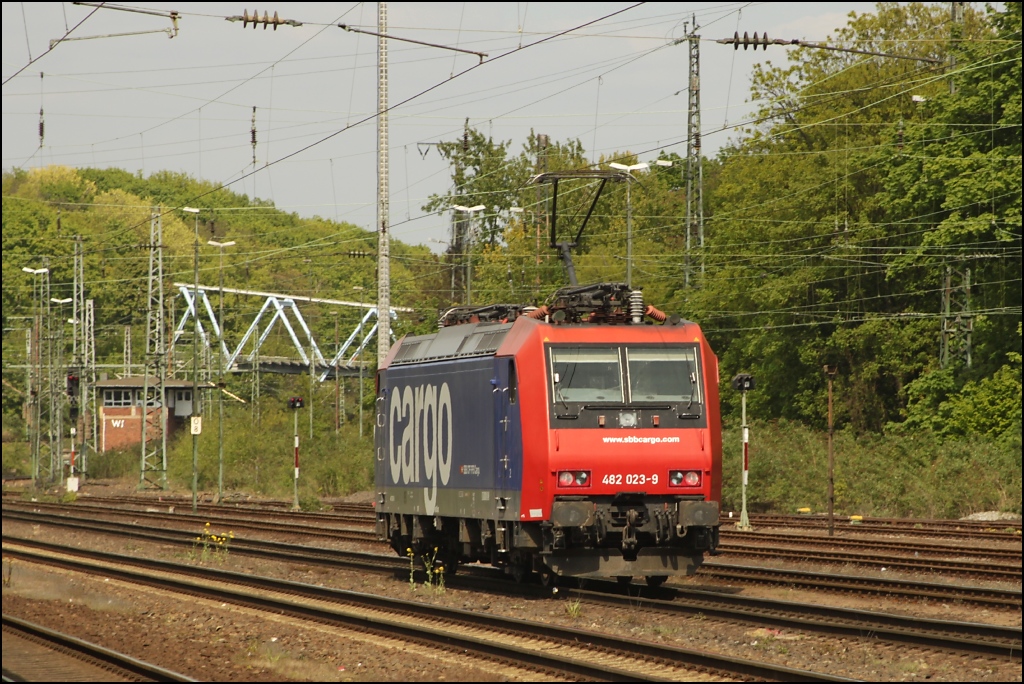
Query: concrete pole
[337,380]
[830,371]
[220,386]
[195,367]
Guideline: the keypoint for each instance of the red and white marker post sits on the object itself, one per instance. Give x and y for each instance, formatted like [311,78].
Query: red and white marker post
[744,382]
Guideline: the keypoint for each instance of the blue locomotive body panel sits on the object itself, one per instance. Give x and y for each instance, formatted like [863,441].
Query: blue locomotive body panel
[447,441]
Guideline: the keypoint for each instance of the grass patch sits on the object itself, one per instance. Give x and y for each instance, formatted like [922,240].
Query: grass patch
[918,475]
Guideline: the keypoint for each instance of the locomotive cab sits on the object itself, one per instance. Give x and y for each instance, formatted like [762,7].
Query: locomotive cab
[581,439]
[632,463]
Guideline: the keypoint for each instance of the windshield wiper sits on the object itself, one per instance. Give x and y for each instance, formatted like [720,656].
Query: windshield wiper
[558,395]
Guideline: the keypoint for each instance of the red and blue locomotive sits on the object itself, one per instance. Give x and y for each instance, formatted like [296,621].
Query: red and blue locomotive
[577,439]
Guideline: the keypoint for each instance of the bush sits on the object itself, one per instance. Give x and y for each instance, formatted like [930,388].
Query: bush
[261,460]
[917,475]
[116,463]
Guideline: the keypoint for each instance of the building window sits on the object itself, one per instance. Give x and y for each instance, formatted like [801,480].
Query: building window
[118,397]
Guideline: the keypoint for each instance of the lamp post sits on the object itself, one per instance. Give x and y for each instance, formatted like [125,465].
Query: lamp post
[196,426]
[220,372]
[359,288]
[37,295]
[830,372]
[337,379]
[469,249]
[629,214]
[59,465]
[451,270]
[744,382]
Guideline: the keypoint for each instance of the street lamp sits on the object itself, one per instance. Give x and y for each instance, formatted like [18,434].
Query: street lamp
[196,422]
[220,373]
[469,248]
[37,295]
[830,373]
[337,378]
[60,410]
[629,214]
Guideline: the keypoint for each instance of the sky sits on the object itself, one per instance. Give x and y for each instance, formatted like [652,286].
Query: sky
[147,102]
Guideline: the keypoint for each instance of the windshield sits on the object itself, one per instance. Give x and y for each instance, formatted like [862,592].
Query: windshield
[586,374]
[663,374]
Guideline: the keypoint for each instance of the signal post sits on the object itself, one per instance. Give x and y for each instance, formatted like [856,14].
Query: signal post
[295,403]
[744,382]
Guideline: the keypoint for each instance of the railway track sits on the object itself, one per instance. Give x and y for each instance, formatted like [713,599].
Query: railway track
[32,653]
[973,569]
[279,509]
[949,635]
[873,586]
[354,513]
[1000,529]
[323,528]
[901,546]
[232,521]
[549,648]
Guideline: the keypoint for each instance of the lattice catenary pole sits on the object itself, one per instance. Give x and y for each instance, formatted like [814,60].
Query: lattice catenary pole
[383,237]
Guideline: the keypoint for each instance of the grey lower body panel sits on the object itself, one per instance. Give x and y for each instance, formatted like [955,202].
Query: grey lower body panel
[483,504]
[604,563]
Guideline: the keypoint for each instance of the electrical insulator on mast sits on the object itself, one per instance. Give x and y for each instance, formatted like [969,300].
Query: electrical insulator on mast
[252,133]
[747,42]
[266,20]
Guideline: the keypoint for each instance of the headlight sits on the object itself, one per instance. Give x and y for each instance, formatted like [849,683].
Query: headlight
[684,478]
[574,478]
[627,419]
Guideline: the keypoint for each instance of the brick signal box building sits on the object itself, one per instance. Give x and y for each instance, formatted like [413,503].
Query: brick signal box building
[121,409]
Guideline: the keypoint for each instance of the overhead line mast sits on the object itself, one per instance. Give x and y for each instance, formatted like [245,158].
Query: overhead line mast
[383,236]
[694,165]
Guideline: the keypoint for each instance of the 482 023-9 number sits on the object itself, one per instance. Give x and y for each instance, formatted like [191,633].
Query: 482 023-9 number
[629,479]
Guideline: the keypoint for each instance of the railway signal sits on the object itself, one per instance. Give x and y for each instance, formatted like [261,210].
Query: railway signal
[744,382]
[295,403]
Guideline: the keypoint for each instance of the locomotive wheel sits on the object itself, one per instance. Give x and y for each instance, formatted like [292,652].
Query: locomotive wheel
[655,581]
[519,572]
[548,578]
[624,580]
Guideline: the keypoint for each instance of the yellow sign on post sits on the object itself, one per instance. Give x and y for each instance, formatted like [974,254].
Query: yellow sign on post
[197,425]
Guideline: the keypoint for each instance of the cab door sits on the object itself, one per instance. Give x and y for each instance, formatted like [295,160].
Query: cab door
[508,441]
[503,392]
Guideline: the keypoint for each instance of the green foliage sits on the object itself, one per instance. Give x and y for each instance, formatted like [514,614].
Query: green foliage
[330,464]
[17,459]
[833,220]
[115,464]
[990,406]
[831,224]
[919,474]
